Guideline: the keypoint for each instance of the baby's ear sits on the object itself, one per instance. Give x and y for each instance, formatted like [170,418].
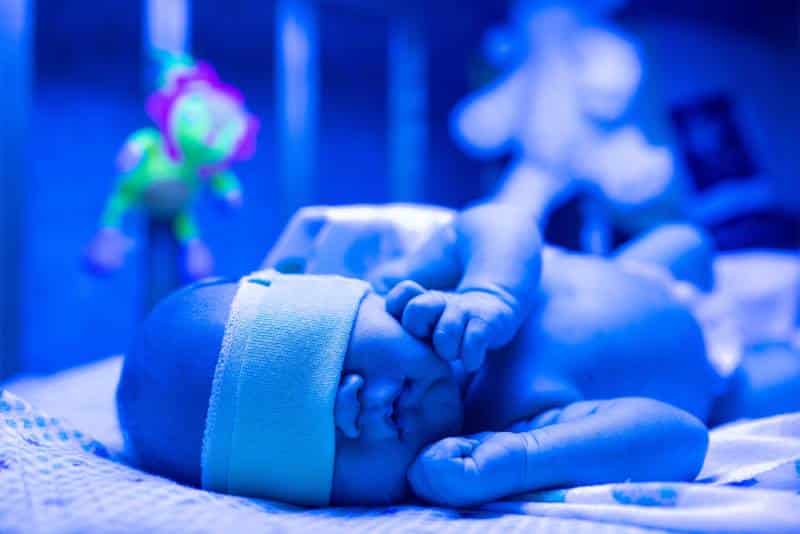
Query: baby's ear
[485,124]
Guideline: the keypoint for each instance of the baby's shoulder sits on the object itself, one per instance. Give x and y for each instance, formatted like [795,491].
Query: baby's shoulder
[581,292]
[615,333]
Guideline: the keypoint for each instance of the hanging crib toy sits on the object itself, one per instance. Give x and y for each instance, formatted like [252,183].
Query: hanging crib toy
[201,129]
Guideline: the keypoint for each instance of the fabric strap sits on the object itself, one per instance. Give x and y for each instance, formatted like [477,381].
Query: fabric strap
[270,429]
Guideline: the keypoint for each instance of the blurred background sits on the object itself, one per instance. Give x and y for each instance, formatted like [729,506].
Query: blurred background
[367,102]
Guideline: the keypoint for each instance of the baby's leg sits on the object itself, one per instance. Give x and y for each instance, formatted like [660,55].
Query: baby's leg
[591,442]
[686,251]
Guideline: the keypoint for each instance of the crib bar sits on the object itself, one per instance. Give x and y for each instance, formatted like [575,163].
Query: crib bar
[297,93]
[408,106]
[16,29]
[166,28]
[168,25]
[162,271]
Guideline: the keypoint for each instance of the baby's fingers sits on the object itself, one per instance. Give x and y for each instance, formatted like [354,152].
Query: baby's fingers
[386,277]
[450,448]
[475,343]
[422,314]
[447,336]
[438,473]
[467,471]
[399,297]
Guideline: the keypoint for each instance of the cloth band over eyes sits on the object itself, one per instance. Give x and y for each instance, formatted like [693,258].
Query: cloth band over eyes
[270,426]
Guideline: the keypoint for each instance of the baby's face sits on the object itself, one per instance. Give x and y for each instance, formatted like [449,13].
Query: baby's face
[395,397]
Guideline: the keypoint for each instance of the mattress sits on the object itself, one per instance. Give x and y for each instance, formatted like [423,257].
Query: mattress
[62,470]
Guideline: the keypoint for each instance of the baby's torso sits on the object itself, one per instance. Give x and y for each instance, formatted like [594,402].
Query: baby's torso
[598,333]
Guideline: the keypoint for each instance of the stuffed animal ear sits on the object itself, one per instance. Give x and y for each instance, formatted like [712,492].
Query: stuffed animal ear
[484,124]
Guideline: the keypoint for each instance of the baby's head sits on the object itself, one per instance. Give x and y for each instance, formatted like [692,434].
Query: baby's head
[291,387]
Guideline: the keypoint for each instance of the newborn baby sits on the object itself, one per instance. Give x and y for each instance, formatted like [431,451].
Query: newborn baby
[316,390]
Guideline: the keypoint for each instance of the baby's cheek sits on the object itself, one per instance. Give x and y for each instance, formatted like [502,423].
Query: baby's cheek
[370,475]
[443,413]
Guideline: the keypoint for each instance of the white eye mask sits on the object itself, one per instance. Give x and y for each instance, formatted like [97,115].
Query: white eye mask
[270,427]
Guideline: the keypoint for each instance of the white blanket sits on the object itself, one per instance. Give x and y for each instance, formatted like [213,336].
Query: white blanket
[56,478]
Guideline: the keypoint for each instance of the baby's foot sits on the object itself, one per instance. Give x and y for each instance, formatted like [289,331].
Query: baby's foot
[460,325]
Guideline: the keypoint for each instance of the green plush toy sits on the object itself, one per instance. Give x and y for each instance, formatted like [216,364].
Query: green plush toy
[202,127]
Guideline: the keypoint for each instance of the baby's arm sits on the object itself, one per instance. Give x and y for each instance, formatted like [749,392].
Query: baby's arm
[491,256]
[589,442]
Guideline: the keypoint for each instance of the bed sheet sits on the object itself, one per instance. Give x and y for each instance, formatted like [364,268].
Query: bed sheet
[61,471]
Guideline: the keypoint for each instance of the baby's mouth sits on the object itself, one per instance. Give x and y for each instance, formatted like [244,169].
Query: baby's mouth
[396,406]
[380,410]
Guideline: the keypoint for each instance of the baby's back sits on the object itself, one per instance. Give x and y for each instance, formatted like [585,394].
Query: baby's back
[598,332]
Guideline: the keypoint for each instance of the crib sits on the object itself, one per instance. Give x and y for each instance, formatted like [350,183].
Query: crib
[62,464]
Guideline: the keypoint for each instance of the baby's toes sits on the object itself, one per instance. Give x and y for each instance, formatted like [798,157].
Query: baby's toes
[449,331]
[422,314]
[398,298]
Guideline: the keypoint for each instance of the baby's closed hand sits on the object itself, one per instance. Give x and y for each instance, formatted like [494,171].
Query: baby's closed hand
[461,325]
[463,471]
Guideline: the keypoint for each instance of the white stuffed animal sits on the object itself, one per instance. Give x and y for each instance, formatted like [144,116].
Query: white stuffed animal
[558,111]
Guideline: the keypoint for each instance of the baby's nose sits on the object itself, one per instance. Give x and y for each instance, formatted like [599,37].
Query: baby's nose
[381,394]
